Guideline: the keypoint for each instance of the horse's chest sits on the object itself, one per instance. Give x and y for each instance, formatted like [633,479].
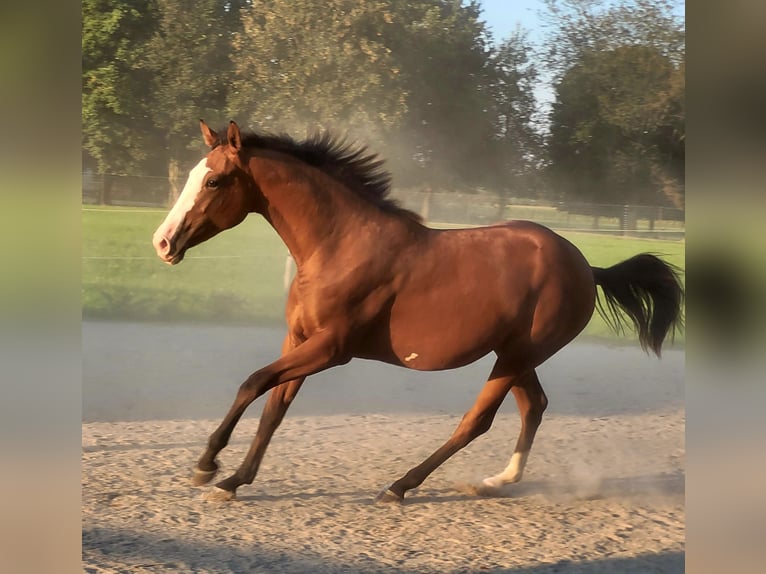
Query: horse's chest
[344,309]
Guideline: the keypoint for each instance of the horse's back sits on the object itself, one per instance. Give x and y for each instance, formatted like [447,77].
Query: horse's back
[518,255]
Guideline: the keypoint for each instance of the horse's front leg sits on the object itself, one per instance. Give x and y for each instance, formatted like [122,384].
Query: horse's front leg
[274,411]
[280,398]
[315,354]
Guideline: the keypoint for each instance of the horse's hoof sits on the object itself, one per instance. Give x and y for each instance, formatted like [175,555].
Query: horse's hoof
[387,496]
[200,477]
[216,494]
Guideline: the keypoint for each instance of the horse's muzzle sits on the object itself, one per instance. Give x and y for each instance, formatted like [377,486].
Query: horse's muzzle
[165,250]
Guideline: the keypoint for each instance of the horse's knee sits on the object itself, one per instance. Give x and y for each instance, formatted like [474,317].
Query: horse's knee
[471,428]
[483,425]
[246,389]
[253,387]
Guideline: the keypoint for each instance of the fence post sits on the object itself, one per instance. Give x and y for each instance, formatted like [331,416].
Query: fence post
[625,219]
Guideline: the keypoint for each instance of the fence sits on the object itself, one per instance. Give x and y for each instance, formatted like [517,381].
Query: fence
[127,190]
[444,208]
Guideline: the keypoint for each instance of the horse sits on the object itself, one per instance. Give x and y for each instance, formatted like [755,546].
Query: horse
[374,282]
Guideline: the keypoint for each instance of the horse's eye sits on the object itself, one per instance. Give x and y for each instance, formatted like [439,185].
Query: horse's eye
[212,183]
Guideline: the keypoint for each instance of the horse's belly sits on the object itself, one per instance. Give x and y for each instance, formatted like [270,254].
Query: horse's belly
[435,341]
[417,342]
[428,358]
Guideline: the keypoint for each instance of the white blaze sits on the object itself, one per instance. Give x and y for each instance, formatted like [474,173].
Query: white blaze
[185,201]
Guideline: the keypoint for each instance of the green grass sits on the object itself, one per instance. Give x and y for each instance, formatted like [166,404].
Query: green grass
[237,277]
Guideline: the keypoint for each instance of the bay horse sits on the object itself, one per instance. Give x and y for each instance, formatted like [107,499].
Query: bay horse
[374,282]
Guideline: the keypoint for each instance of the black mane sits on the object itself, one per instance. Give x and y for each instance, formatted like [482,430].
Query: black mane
[346,161]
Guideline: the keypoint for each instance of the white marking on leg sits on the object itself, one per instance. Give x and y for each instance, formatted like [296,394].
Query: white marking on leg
[512,473]
[410,357]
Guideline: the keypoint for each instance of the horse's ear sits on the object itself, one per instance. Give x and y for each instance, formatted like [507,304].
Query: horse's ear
[211,138]
[235,139]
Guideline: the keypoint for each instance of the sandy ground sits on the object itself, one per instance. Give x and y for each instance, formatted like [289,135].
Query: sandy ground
[603,491]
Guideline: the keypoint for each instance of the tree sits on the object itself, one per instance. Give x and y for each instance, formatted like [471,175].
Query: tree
[415,79]
[617,126]
[188,57]
[577,27]
[448,128]
[518,136]
[116,127]
[300,63]
[409,77]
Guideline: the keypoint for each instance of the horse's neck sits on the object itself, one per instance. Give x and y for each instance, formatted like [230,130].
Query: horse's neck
[313,214]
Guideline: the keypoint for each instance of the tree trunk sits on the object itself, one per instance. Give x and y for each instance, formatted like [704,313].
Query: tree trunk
[173,191]
[105,196]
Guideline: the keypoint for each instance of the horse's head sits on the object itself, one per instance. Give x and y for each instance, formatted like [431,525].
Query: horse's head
[216,197]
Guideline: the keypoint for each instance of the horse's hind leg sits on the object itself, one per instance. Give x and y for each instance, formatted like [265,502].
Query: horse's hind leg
[532,402]
[474,423]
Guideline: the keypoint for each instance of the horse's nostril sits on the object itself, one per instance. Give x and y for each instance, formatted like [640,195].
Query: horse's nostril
[163,245]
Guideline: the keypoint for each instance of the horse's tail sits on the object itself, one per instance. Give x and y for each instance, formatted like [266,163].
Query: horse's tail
[649,291]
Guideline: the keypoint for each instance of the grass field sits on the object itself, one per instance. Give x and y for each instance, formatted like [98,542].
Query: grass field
[238,276]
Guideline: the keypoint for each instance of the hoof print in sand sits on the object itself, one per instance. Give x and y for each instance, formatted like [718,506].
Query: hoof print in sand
[219,495]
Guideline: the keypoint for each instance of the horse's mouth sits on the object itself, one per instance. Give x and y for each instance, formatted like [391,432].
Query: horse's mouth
[170,251]
[173,259]
[176,259]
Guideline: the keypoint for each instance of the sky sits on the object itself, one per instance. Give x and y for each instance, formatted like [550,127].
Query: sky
[502,17]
